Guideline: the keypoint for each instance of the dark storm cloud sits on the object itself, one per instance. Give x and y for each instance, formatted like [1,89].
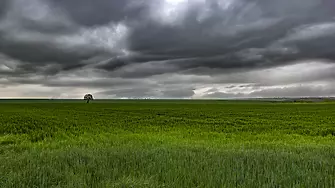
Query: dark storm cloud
[229,36]
[40,35]
[142,39]
[248,35]
[102,12]
[37,53]
[3,7]
[97,83]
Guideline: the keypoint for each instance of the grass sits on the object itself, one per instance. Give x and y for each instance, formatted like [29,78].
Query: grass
[166,144]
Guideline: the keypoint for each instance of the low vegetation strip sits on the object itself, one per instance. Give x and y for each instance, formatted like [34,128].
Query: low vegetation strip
[166,144]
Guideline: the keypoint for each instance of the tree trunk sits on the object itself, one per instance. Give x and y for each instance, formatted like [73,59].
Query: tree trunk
[88,101]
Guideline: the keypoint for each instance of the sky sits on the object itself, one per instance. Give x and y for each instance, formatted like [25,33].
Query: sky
[193,49]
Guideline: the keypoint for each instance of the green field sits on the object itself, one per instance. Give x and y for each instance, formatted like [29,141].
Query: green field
[166,144]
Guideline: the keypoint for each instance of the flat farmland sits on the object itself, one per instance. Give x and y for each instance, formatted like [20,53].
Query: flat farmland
[166,143]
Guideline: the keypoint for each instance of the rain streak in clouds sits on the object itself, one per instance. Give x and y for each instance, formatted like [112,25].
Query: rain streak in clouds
[167,48]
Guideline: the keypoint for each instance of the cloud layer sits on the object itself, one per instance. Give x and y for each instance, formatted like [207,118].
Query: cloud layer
[167,48]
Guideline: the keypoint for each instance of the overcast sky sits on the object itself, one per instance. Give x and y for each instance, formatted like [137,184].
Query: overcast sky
[167,48]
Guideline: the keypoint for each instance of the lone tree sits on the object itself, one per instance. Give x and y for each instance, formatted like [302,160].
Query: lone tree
[88,97]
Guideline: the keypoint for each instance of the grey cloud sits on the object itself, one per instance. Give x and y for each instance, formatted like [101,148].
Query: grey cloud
[244,36]
[218,40]
[212,90]
[40,35]
[178,93]
[296,73]
[286,91]
[132,42]
[133,92]
[102,12]
[146,91]
[99,83]
[68,82]
[223,95]
[3,7]
[296,91]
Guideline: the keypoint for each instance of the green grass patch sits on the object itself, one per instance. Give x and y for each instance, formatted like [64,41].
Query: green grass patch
[166,144]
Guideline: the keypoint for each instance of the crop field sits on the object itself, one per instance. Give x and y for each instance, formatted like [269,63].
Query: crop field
[144,143]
